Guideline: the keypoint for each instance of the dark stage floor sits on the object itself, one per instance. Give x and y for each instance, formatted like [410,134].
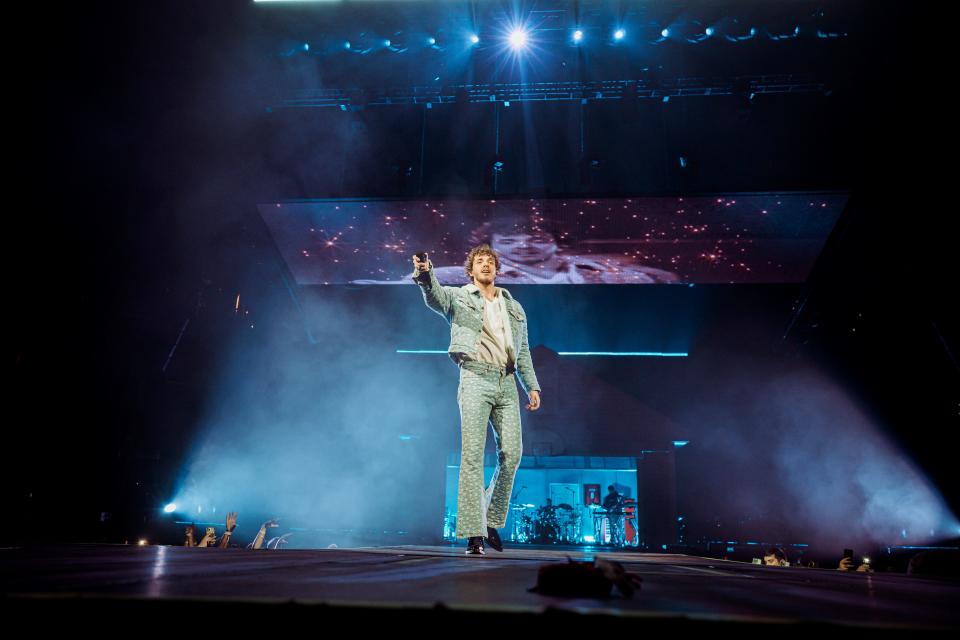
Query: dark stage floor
[440,582]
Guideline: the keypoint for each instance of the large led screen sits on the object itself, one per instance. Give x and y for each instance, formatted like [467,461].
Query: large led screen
[743,238]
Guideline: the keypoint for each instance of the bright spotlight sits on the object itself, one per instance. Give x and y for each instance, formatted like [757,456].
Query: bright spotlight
[142,542]
[474,39]
[386,43]
[665,33]
[346,45]
[518,38]
[619,33]
[709,31]
[431,41]
[170,508]
[577,35]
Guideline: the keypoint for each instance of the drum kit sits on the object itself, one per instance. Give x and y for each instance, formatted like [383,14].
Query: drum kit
[550,524]
[561,524]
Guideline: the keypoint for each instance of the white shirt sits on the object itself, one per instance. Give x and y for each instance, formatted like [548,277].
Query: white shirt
[496,338]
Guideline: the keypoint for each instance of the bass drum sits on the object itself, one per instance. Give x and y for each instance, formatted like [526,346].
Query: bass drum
[524,528]
[547,527]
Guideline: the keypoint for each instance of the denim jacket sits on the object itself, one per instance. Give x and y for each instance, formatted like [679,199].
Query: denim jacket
[462,308]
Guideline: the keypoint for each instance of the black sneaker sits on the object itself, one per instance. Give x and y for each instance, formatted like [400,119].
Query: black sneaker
[494,539]
[475,546]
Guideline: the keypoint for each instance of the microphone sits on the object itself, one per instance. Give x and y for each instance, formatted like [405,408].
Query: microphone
[422,276]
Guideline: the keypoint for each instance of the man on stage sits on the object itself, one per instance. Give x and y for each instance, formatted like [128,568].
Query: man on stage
[613,503]
[488,341]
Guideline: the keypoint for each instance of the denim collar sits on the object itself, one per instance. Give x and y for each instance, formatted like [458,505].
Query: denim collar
[472,288]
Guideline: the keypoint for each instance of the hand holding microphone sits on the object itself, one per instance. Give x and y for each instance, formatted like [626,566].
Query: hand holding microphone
[421,262]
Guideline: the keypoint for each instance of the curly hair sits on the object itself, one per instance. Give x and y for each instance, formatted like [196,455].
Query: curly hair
[483,249]
[778,553]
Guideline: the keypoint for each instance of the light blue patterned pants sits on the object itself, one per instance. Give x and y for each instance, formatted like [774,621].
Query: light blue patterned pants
[486,395]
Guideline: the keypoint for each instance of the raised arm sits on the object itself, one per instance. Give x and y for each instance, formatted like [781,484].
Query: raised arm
[435,295]
[262,534]
[228,530]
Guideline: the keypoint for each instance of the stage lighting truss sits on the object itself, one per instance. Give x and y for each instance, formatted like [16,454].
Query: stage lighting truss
[661,89]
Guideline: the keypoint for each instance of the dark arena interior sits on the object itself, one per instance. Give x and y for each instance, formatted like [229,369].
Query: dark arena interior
[225,417]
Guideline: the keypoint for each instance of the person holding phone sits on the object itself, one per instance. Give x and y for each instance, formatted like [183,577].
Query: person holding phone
[489,343]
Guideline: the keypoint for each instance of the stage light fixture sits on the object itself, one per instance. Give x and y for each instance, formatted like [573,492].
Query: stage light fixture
[577,35]
[170,508]
[518,39]
[619,34]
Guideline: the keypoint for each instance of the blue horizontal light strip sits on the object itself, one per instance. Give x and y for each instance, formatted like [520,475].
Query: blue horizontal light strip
[766,544]
[623,353]
[577,353]
[921,547]
[419,351]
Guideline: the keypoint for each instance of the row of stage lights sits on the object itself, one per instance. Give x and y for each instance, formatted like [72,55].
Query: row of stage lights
[519,38]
